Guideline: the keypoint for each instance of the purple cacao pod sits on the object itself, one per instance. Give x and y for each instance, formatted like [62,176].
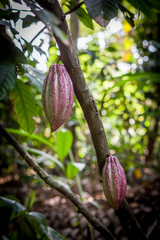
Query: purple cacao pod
[57,96]
[114,181]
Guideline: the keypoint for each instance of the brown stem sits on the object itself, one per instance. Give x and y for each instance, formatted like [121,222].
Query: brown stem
[74,8]
[55,184]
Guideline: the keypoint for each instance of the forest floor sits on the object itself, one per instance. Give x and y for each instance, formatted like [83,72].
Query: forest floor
[144,199]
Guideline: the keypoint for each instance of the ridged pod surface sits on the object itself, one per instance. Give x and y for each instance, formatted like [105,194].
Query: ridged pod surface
[57,96]
[114,181]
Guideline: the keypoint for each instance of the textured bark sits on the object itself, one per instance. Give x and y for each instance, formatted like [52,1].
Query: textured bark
[74,28]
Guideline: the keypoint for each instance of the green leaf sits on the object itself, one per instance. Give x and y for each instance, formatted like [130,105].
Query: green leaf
[38,224]
[46,155]
[30,200]
[55,235]
[28,20]
[33,136]
[7,78]
[42,231]
[16,208]
[41,219]
[82,14]
[80,166]
[35,76]
[64,143]
[71,170]
[28,46]
[39,50]
[85,18]
[102,11]
[25,106]
[129,16]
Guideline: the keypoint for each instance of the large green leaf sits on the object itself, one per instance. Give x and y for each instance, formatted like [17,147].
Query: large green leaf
[7,78]
[82,14]
[16,208]
[55,235]
[33,136]
[41,229]
[71,170]
[25,106]
[85,18]
[102,11]
[64,143]
[30,200]
[31,225]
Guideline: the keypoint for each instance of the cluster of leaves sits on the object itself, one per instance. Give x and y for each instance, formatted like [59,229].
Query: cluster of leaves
[18,223]
[14,64]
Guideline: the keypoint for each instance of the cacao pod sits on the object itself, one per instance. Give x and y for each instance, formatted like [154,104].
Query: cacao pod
[57,96]
[114,181]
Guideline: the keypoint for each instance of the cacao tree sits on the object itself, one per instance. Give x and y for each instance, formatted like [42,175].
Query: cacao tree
[21,84]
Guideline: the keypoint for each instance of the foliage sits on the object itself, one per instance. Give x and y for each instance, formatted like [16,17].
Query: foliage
[23,224]
[121,68]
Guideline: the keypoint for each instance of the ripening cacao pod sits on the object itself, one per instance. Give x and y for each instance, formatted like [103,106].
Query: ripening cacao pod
[57,96]
[114,181]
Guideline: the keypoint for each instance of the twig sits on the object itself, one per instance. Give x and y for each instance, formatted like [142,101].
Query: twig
[25,49]
[58,186]
[74,8]
[37,34]
[151,228]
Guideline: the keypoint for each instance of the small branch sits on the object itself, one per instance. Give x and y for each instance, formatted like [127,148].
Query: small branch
[55,184]
[37,34]
[25,49]
[74,9]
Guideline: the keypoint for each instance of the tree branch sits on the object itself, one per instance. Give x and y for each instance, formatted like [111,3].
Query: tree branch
[74,8]
[55,184]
